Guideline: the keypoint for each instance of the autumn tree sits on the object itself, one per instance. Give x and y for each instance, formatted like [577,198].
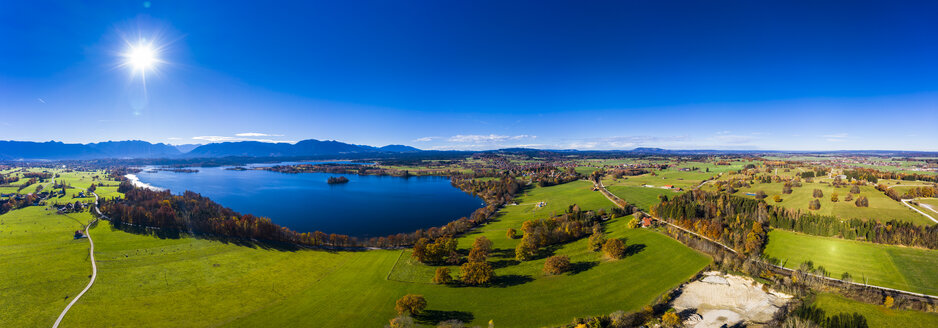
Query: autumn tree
[818,193]
[402,321]
[848,198]
[862,202]
[754,238]
[442,249]
[596,241]
[670,319]
[888,302]
[634,223]
[787,188]
[556,264]
[512,233]
[525,250]
[410,304]
[855,189]
[814,205]
[777,198]
[834,197]
[480,249]
[614,248]
[476,273]
[442,276]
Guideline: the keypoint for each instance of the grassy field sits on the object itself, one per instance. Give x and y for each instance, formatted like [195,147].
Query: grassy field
[876,316]
[642,197]
[897,267]
[190,282]
[880,208]
[43,266]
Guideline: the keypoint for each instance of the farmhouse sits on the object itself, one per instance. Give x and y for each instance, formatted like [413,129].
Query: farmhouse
[646,222]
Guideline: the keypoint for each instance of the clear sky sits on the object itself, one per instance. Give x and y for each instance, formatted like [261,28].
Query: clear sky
[785,75]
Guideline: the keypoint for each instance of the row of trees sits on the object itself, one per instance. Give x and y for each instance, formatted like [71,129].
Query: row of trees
[17,202]
[873,175]
[891,232]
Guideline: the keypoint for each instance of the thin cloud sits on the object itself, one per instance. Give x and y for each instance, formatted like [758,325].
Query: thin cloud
[256,134]
[425,139]
[214,139]
[486,138]
[40,100]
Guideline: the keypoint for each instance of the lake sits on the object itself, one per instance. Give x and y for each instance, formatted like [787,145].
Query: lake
[366,206]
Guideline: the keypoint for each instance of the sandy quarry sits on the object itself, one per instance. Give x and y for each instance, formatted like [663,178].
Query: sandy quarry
[726,300]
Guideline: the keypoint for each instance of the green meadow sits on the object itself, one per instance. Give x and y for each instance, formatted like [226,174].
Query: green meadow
[43,266]
[642,197]
[193,282]
[877,316]
[880,207]
[896,267]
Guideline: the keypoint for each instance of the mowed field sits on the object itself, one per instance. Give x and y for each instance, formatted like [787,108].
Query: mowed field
[881,207]
[41,265]
[877,316]
[190,282]
[896,267]
[642,197]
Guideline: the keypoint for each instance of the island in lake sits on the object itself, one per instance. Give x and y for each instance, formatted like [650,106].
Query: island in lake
[334,180]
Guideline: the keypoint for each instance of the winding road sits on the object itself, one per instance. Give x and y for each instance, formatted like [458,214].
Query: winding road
[94,267]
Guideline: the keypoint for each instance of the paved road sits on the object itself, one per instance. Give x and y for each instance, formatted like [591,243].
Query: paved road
[906,203]
[94,267]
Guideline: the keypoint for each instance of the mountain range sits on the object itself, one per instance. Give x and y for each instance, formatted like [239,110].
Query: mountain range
[53,150]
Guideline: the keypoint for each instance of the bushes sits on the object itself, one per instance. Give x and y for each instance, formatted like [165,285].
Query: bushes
[614,248]
[557,264]
[862,202]
[814,205]
[817,193]
[442,276]
[512,233]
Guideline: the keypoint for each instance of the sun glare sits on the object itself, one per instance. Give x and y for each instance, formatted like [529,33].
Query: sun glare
[141,57]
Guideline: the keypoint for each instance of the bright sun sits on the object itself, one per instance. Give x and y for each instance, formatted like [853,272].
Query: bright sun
[142,57]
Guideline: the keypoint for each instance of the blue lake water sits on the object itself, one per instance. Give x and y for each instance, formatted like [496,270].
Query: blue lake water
[366,206]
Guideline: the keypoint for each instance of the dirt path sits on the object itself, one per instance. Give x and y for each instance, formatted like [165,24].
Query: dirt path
[94,266]
[906,203]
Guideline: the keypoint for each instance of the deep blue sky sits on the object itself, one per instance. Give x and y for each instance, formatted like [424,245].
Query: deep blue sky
[788,75]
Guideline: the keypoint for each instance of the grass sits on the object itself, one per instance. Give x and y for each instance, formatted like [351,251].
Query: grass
[190,282]
[642,197]
[896,267]
[880,208]
[876,315]
[43,266]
